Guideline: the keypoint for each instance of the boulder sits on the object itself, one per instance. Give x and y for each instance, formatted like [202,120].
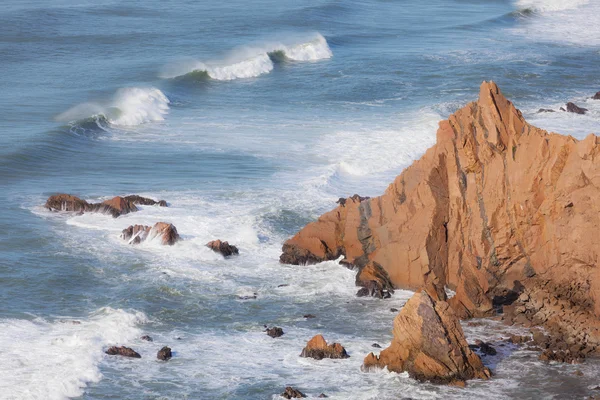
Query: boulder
[122,351]
[136,234]
[274,332]
[596,96]
[375,281]
[496,208]
[429,344]
[135,199]
[291,393]
[222,247]
[318,349]
[65,202]
[164,354]
[572,108]
[146,338]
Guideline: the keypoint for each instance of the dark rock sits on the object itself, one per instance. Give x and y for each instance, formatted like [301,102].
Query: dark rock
[518,339]
[164,353]
[283,285]
[323,396]
[596,96]
[274,332]
[545,110]
[309,316]
[571,107]
[146,338]
[345,263]
[393,309]
[248,297]
[561,356]
[135,199]
[222,247]
[578,373]
[318,349]
[291,393]
[485,348]
[376,345]
[122,351]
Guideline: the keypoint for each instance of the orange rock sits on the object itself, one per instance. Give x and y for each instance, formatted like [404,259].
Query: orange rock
[318,349]
[66,202]
[429,344]
[224,248]
[116,206]
[136,234]
[492,207]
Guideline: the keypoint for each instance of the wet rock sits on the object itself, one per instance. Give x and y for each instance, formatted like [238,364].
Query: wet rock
[375,281]
[545,110]
[560,356]
[146,338]
[596,96]
[136,234]
[291,393]
[323,396]
[274,332]
[135,199]
[578,373]
[122,351]
[65,202]
[518,339]
[376,345]
[485,348]
[318,349]
[572,108]
[222,247]
[393,309]
[283,285]
[164,353]
[309,316]
[345,263]
[116,207]
[429,344]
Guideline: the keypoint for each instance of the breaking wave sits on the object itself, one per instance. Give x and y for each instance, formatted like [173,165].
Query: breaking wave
[550,5]
[129,107]
[250,62]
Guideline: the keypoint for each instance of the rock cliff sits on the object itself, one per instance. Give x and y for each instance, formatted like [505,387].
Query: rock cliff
[496,208]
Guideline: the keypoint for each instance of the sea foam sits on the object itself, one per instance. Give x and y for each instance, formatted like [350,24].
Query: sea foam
[252,61]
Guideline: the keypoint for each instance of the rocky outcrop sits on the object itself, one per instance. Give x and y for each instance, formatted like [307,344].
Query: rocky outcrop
[596,96]
[135,199]
[429,344]
[116,206]
[123,351]
[318,349]
[274,332]
[136,234]
[495,208]
[164,354]
[374,281]
[222,247]
[573,108]
[291,393]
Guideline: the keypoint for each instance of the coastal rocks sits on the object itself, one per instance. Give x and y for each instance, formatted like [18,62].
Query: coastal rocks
[147,338]
[164,354]
[122,351]
[116,206]
[291,393]
[573,108]
[274,332]
[429,344]
[484,348]
[136,234]
[318,349]
[596,96]
[374,281]
[135,199]
[496,208]
[222,247]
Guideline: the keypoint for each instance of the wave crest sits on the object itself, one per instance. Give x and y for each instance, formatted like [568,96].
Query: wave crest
[550,5]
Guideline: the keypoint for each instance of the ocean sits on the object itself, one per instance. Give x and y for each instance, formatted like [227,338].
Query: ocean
[251,119]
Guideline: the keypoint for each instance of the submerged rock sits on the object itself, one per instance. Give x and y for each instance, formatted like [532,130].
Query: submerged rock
[429,344]
[291,393]
[318,349]
[274,332]
[573,108]
[116,206]
[146,338]
[122,351]
[496,208]
[222,247]
[164,353]
[136,234]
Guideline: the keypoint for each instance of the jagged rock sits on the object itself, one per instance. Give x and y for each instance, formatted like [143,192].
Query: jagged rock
[485,348]
[483,211]
[374,281]
[136,234]
[518,339]
[164,353]
[135,199]
[596,96]
[376,345]
[545,110]
[222,247]
[65,202]
[146,338]
[291,393]
[571,107]
[318,349]
[122,351]
[429,344]
[274,332]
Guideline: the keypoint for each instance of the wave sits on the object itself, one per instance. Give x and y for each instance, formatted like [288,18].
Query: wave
[250,62]
[129,106]
[57,359]
[550,5]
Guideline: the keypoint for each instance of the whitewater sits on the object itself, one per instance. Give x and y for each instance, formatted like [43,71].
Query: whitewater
[251,121]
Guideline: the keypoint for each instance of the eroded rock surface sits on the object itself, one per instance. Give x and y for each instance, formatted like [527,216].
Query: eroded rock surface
[496,207]
[318,349]
[164,354]
[136,234]
[429,344]
[116,206]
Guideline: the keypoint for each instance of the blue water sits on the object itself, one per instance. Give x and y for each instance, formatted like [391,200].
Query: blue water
[250,119]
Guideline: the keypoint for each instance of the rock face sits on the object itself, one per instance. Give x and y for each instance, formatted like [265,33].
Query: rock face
[429,344]
[495,208]
[222,247]
[573,108]
[164,353]
[123,351]
[136,234]
[374,281]
[116,206]
[318,349]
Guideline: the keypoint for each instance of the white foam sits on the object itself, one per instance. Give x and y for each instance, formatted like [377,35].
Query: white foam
[550,5]
[252,61]
[129,107]
[55,360]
